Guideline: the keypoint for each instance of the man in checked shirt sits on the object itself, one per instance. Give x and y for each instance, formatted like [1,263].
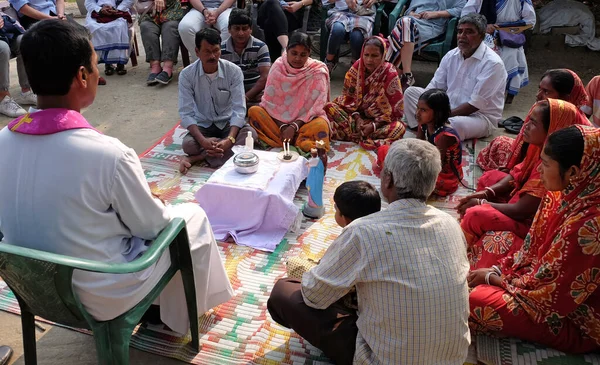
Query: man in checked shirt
[409,265]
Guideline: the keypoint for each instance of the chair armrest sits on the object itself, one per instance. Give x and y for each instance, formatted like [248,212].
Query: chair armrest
[164,239]
[398,11]
[378,15]
[450,35]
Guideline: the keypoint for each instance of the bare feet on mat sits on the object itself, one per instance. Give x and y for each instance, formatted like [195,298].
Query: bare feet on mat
[188,161]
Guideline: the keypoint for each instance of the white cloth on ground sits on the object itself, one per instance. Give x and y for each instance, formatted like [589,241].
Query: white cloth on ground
[83,194]
[110,40]
[479,80]
[254,217]
[569,13]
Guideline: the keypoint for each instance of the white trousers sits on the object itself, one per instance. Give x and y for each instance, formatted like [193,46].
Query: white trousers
[193,21]
[471,126]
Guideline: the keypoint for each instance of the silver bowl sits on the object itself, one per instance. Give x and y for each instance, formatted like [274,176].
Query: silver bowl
[246,162]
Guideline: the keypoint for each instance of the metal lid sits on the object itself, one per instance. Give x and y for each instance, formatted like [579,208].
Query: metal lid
[245,159]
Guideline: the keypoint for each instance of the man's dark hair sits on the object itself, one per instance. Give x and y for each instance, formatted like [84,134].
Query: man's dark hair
[212,36]
[355,199]
[53,51]
[239,17]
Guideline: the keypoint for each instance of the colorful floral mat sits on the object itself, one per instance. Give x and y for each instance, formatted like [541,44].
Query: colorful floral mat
[241,330]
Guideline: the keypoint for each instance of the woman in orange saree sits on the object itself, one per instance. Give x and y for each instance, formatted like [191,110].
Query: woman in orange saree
[549,293]
[505,152]
[509,205]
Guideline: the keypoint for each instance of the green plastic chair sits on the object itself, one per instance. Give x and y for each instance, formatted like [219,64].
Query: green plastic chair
[324,38]
[42,284]
[434,49]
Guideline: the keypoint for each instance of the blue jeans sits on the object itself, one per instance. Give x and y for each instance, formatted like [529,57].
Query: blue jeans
[337,36]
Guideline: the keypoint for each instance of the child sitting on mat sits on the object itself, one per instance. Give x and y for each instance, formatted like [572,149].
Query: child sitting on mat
[433,111]
[353,200]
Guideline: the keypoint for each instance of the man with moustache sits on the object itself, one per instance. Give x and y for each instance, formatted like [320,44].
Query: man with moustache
[211,104]
[474,77]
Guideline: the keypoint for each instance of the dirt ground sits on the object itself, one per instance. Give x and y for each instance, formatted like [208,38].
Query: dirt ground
[139,115]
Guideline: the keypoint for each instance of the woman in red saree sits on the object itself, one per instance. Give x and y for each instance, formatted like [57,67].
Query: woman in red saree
[549,293]
[508,206]
[504,152]
[370,109]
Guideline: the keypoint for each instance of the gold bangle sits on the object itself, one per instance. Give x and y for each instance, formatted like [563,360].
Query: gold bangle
[231,139]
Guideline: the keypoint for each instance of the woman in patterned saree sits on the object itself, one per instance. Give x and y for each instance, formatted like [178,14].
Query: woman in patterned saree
[514,200]
[370,109]
[504,152]
[548,294]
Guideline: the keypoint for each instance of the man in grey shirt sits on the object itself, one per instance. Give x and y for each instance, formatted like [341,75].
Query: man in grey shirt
[211,104]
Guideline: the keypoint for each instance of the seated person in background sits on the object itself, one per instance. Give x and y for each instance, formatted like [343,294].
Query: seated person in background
[278,19]
[292,105]
[433,112]
[86,192]
[549,293]
[369,111]
[31,11]
[10,39]
[592,107]
[424,20]
[204,14]
[505,152]
[392,257]
[513,56]
[211,105]
[109,21]
[348,19]
[158,28]
[514,198]
[249,53]
[474,78]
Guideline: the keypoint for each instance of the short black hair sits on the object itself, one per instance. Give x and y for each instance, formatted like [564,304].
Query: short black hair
[239,17]
[565,146]
[53,51]
[212,36]
[562,81]
[355,199]
[299,38]
[439,102]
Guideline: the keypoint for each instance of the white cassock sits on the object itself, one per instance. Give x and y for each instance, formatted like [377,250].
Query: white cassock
[83,194]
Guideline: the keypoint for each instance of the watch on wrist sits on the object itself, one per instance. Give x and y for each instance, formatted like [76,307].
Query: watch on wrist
[231,139]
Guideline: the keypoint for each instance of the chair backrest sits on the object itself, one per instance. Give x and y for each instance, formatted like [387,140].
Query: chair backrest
[42,288]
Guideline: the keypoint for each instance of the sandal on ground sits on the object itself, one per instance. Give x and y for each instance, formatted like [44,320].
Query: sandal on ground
[109,70]
[101,81]
[121,70]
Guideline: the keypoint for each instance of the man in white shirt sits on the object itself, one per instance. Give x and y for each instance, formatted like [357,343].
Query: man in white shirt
[70,190]
[409,266]
[474,78]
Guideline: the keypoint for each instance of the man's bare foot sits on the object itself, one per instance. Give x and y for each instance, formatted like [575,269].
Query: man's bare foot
[188,161]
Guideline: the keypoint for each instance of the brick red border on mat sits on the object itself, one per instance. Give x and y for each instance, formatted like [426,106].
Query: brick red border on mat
[169,132]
